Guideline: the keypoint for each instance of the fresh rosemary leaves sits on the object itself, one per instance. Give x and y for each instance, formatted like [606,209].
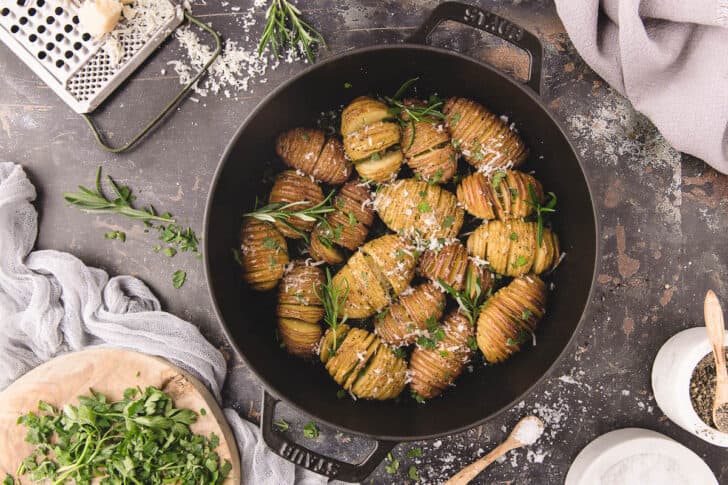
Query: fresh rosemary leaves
[285,29]
[540,210]
[142,439]
[407,113]
[285,211]
[333,299]
[95,202]
[470,299]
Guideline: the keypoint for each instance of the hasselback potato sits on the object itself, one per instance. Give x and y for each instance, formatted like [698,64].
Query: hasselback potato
[416,209]
[347,226]
[371,139]
[448,264]
[509,318]
[300,309]
[502,195]
[362,364]
[379,271]
[485,140]
[406,319]
[511,247]
[308,150]
[434,368]
[427,148]
[263,254]
[291,186]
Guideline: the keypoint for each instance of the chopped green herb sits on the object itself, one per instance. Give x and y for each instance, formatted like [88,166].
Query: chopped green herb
[470,298]
[392,465]
[413,473]
[305,137]
[497,178]
[426,343]
[9,480]
[281,426]
[454,119]
[526,314]
[347,85]
[183,239]
[170,252]
[120,235]
[310,430]
[270,243]
[472,343]
[444,353]
[178,278]
[400,353]
[448,221]
[514,236]
[235,251]
[415,453]
[520,261]
[424,207]
[419,399]
[203,412]
[341,394]
[141,439]
[376,156]
[436,177]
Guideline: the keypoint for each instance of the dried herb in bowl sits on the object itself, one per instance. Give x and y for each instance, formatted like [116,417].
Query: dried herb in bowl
[702,388]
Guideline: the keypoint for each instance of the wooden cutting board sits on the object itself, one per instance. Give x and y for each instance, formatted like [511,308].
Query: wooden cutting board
[108,371]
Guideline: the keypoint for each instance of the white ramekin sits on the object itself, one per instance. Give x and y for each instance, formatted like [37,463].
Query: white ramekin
[671,374]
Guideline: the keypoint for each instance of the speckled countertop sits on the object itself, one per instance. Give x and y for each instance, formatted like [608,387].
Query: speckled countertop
[662,215]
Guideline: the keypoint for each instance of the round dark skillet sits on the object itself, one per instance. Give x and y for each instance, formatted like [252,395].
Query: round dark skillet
[249,317]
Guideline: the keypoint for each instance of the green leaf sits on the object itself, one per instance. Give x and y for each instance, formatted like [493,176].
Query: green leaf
[424,207]
[497,178]
[281,425]
[310,430]
[413,474]
[170,252]
[415,453]
[392,464]
[178,278]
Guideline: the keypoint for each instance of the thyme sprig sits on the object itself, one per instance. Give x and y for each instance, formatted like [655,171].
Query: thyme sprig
[284,28]
[285,211]
[470,299]
[540,210]
[96,202]
[333,299]
[412,113]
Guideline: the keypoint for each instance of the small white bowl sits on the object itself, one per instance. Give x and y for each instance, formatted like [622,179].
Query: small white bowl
[636,456]
[671,375]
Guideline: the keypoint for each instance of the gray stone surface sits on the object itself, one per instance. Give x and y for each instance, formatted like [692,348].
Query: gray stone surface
[662,216]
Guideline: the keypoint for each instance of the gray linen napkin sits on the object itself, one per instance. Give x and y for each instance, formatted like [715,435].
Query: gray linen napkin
[668,57]
[52,303]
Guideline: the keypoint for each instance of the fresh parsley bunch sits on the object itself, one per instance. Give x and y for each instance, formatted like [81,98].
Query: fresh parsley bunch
[142,439]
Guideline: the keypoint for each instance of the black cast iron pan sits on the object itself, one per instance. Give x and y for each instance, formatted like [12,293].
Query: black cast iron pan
[249,317]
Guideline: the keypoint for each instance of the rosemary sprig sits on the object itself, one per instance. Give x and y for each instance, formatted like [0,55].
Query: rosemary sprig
[470,299]
[284,28]
[95,202]
[285,211]
[540,210]
[333,299]
[411,114]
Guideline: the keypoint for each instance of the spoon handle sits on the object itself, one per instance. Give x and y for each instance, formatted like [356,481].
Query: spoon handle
[716,333]
[471,471]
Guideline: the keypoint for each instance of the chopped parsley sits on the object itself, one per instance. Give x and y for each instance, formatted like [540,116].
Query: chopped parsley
[419,399]
[472,343]
[347,85]
[391,465]
[270,243]
[526,314]
[281,426]
[415,453]
[120,235]
[497,179]
[448,221]
[341,394]
[178,279]
[514,236]
[310,430]
[413,473]
[352,219]
[424,207]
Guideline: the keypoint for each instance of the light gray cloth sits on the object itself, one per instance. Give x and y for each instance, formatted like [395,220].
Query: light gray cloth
[52,303]
[668,57]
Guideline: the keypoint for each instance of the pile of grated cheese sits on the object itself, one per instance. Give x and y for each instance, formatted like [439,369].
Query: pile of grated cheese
[239,67]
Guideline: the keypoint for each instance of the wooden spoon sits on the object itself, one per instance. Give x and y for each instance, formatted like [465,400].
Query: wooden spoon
[526,432]
[715,326]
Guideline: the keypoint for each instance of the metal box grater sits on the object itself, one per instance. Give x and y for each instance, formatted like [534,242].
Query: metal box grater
[47,36]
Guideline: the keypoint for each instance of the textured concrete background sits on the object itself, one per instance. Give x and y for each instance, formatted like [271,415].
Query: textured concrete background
[662,214]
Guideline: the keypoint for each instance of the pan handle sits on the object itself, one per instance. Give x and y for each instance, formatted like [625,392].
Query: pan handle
[493,24]
[324,465]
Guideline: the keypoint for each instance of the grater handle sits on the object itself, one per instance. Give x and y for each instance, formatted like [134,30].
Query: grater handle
[150,126]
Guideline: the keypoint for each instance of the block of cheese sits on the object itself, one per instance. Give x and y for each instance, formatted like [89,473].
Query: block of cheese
[99,17]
